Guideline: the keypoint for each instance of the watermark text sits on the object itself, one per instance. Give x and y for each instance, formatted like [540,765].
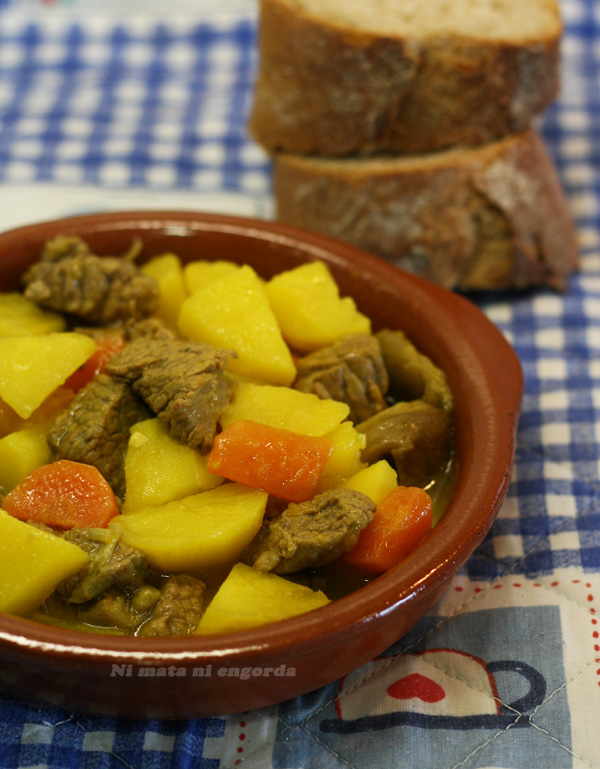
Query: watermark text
[205,671]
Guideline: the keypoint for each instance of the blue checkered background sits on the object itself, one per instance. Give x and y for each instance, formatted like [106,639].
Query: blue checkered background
[137,97]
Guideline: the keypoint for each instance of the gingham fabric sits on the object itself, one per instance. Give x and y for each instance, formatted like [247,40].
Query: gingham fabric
[106,105]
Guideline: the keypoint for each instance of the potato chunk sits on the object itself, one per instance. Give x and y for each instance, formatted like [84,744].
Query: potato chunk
[233,312]
[31,367]
[168,273]
[42,417]
[20,453]
[249,598]
[200,273]
[310,311]
[20,316]
[282,407]
[200,531]
[376,481]
[32,563]
[345,459]
[159,469]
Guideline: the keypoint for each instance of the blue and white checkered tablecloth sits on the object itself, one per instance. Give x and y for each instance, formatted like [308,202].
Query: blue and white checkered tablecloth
[130,104]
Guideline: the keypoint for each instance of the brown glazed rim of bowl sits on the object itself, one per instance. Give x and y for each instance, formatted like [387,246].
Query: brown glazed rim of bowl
[483,372]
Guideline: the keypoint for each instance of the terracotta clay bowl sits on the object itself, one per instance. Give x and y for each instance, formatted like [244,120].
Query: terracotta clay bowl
[193,676]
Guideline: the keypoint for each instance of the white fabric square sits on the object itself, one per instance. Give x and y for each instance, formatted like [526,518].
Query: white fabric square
[555,434]
[560,505]
[161,742]
[554,400]
[37,734]
[101,741]
[564,540]
[508,546]
[552,368]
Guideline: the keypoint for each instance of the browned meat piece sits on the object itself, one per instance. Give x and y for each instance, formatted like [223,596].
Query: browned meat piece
[102,290]
[148,327]
[412,375]
[351,371]
[116,589]
[111,610]
[183,382]
[112,565]
[416,435]
[312,534]
[94,429]
[179,608]
[99,332]
[116,608]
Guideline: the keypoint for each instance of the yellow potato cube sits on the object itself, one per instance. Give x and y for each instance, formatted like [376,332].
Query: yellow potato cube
[344,461]
[283,407]
[233,312]
[248,598]
[168,273]
[200,273]
[32,563]
[22,317]
[310,311]
[376,481]
[201,531]
[42,417]
[159,469]
[20,453]
[31,367]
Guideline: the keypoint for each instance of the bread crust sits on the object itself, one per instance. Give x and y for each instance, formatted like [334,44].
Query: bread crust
[493,217]
[322,89]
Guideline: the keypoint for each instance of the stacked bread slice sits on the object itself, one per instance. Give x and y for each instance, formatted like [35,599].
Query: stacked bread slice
[405,128]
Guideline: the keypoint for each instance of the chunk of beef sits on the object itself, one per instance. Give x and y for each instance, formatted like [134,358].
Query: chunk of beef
[183,382]
[112,565]
[99,332]
[114,609]
[179,608]
[148,327]
[117,589]
[413,376]
[94,429]
[351,371]
[416,435]
[313,533]
[102,290]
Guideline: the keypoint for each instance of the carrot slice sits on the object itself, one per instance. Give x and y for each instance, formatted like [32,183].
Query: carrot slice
[63,494]
[399,523]
[107,346]
[286,464]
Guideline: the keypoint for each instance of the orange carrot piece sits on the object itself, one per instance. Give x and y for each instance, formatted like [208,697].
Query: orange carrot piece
[399,523]
[286,464]
[63,494]
[107,346]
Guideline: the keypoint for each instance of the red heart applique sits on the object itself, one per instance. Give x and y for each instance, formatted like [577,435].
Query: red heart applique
[416,685]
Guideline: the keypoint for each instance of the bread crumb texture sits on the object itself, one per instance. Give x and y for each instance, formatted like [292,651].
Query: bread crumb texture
[483,19]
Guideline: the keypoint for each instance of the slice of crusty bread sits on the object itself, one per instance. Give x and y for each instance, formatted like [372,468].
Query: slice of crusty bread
[491,217]
[338,77]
